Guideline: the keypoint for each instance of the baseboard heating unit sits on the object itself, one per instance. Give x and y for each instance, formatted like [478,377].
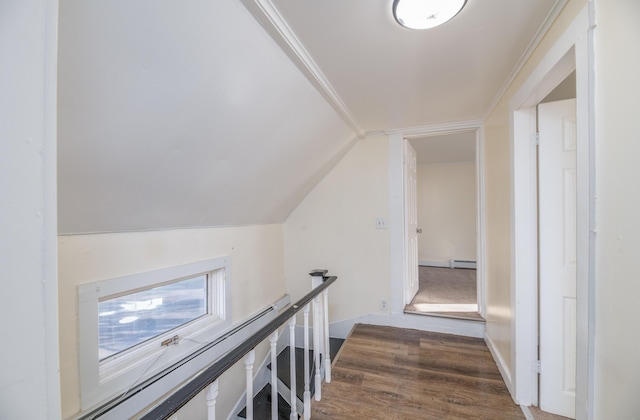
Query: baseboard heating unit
[450,264]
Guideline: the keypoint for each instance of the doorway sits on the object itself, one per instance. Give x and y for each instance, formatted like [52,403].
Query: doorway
[444,200]
[569,53]
[553,199]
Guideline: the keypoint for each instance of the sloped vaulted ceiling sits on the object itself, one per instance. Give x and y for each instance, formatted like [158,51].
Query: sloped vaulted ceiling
[227,112]
[175,114]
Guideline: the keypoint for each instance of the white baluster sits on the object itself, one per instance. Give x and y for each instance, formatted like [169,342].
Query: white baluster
[316,345]
[307,392]
[212,394]
[273,339]
[321,332]
[327,349]
[248,362]
[292,367]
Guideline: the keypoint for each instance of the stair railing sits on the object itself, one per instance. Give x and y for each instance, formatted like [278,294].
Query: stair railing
[318,298]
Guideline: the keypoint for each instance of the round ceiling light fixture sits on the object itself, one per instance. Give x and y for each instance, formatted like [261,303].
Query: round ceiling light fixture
[425,14]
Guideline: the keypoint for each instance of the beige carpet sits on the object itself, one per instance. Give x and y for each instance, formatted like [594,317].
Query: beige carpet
[446,292]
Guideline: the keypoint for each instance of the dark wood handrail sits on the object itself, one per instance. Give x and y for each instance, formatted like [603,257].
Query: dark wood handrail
[182,396]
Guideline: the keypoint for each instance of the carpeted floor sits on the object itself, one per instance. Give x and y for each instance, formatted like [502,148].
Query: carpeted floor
[446,292]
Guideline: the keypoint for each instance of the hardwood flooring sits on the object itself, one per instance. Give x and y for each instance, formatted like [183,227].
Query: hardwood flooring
[395,374]
[541,415]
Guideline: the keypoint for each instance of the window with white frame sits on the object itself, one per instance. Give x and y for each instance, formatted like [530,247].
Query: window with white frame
[135,326]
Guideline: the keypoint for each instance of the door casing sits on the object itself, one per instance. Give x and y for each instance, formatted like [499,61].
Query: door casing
[399,243]
[411,220]
[571,52]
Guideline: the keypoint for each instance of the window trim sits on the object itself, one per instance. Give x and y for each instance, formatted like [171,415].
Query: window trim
[101,380]
[183,329]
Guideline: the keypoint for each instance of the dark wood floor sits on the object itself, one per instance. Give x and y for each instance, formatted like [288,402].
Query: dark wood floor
[392,373]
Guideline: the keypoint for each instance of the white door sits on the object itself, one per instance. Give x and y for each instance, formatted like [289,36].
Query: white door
[411,219]
[557,236]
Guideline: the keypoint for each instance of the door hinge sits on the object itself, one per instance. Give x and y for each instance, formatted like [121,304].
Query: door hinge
[537,366]
[535,139]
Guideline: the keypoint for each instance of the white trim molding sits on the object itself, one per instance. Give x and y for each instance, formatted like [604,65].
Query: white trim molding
[533,44]
[50,206]
[467,328]
[527,412]
[502,365]
[430,129]
[151,393]
[481,227]
[397,267]
[571,51]
[265,12]
[397,234]
[104,379]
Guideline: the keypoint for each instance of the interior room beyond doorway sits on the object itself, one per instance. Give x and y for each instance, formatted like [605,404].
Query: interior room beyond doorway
[446,292]
[447,231]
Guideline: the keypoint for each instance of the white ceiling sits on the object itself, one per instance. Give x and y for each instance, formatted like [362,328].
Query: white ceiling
[449,148]
[391,77]
[186,114]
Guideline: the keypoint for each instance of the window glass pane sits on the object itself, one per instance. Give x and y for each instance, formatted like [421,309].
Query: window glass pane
[129,320]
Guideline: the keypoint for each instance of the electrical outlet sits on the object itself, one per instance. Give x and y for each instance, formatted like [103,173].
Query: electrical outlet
[381,223]
[383,304]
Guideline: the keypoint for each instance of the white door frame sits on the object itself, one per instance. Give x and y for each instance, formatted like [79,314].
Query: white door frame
[573,50]
[399,245]
[410,167]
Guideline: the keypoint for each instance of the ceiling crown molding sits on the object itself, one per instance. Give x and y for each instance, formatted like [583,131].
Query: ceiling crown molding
[533,44]
[428,130]
[270,18]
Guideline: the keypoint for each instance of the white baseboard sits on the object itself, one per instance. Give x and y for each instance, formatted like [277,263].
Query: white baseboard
[505,371]
[527,412]
[341,329]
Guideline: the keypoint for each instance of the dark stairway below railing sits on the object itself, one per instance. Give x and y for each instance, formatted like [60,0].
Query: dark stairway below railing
[262,401]
[262,406]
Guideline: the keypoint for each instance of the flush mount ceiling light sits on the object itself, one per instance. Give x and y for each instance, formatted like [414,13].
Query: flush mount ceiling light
[425,14]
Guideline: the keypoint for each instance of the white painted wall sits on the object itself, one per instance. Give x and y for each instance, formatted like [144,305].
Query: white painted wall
[447,211]
[257,280]
[617,66]
[334,228]
[29,377]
